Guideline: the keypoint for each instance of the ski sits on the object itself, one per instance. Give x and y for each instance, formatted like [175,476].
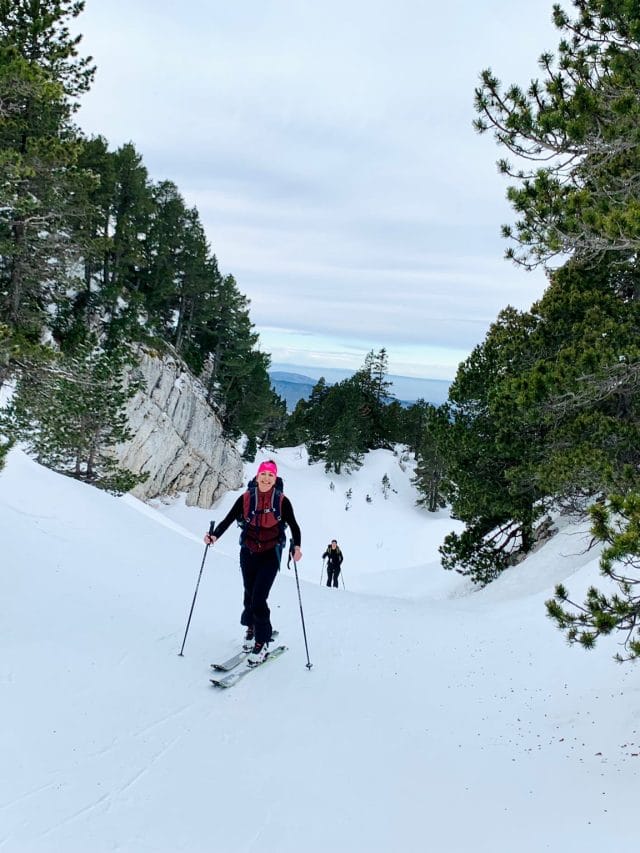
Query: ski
[236,660]
[234,677]
[232,663]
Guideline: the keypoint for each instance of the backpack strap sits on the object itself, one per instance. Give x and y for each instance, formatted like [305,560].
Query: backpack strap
[276,499]
[276,506]
[250,501]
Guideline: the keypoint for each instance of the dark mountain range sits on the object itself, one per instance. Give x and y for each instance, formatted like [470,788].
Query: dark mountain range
[298,386]
[291,387]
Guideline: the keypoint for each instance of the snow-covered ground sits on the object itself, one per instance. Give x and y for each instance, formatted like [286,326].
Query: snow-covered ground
[435,718]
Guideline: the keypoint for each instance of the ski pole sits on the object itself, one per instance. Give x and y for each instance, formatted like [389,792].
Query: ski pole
[342,577]
[304,632]
[321,573]
[193,603]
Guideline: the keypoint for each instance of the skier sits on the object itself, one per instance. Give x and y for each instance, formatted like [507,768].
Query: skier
[262,512]
[334,561]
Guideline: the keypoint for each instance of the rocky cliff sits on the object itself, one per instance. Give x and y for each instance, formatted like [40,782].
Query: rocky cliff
[177,439]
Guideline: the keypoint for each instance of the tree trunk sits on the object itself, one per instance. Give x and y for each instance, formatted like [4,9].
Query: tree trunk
[16,282]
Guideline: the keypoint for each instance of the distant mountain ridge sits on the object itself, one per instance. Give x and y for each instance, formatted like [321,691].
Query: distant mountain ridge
[294,386]
[291,378]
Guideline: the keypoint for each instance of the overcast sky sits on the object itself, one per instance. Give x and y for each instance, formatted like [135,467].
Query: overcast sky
[328,147]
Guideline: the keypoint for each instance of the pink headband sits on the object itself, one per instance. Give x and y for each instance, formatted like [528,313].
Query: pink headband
[271,467]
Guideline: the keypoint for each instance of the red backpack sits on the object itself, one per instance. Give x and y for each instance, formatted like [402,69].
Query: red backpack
[253,517]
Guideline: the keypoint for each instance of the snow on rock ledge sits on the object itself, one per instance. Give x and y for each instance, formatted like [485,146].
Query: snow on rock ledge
[177,439]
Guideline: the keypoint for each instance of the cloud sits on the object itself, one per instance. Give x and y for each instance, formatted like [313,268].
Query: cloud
[329,150]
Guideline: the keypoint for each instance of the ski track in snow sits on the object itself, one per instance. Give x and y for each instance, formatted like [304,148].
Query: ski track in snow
[164,719]
[26,795]
[154,760]
[109,798]
[74,817]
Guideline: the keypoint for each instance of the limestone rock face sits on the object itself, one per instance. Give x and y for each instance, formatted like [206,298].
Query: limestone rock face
[177,439]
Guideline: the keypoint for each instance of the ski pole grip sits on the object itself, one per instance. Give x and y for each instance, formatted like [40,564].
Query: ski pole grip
[212,526]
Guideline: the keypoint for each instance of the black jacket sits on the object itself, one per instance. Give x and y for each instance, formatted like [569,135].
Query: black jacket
[334,557]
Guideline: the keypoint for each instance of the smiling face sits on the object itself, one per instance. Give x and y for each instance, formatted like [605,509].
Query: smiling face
[266,479]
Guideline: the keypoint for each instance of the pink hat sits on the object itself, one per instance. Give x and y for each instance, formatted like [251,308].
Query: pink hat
[269,466]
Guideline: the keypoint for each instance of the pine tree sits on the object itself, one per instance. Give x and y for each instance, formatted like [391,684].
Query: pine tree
[236,372]
[39,32]
[39,187]
[339,423]
[375,394]
[5,447]
[411,424]
[584,340]
[491,445]
[431,459]
[5,357]
[178,274]
[581,123]
[342,449]
[197,271]
[616,524]
[310,420]
[81,312]
[124,270]
[163,249]
[274,425]
[545,411]
[40,183]
[71,414]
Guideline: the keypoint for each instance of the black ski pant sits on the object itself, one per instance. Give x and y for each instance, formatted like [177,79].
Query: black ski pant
[332,575]
[259,571]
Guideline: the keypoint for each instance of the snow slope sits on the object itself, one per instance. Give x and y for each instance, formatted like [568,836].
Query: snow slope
[435,718]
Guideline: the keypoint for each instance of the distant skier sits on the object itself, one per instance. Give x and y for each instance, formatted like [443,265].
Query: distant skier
[263,513]
[334,558]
